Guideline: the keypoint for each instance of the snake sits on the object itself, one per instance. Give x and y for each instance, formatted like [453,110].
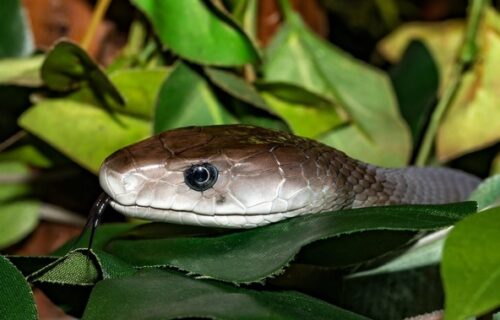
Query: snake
[242,176]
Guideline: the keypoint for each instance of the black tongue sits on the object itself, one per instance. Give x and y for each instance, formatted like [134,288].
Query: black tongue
[94,218]
[95,215]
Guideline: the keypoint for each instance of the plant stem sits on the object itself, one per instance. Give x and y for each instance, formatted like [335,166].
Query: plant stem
[286,9]
[99,11]
[12,140]
[467,56]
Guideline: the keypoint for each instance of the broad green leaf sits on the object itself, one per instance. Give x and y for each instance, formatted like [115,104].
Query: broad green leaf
[487,193]
[28,154]
[139,89]
[21,72]
[67,66]
[443,39]
[236,87]
[30,264]
[353,249]
[377,134]
[103,235]
[186,99]
[81,267]
[18,214]
[76,268]
[396,295]
[68,280]
[255,254]
[416,257]
[83,132]
[246,12]
[321,117]
[16,38]
[198,31]
[17,220]
[16,297]
[473,118]
[471,266]
[416,82]
[428,251]
[170,295]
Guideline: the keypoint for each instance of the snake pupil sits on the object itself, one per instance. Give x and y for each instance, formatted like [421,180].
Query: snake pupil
[201,177]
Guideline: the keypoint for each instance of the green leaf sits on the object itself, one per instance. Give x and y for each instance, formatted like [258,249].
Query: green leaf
[187,99]
[255,254]
[199,32]
[21,72]
[68,280]
[139,89]
[416,257]
[377,133]
[473,117]
[15,35]
[104,234]
[487,193]
[18,215]
[396,295]
[67,66]
[82,132]
[28,154]
[76,268]
[443,39]
[321,117]
[236,87]
[30,264]
[170,295]
[471,266]
[17,220]
[16,297]
[246,12]
[416,82]
[81,267]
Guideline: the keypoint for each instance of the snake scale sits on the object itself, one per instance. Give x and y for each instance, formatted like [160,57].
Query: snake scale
[239,176]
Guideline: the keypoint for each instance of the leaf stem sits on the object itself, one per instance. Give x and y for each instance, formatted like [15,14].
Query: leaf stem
[466,56]
[99,11]
[286,9]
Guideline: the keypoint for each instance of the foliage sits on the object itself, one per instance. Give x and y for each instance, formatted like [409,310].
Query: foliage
[197,62]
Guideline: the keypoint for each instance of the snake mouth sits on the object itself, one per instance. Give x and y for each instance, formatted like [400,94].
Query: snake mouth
[234,221]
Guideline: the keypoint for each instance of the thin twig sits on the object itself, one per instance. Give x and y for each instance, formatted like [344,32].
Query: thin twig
[100,10]
[467,56]
[12,140]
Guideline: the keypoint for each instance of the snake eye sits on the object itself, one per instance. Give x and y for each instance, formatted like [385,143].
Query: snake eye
[201,177]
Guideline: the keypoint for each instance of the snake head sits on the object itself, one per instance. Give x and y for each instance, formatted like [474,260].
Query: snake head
[228,176]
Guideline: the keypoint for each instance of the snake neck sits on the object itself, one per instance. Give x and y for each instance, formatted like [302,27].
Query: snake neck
[357,184]
[414,185]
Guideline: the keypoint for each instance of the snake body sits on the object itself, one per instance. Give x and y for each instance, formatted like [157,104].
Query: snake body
[247,176]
